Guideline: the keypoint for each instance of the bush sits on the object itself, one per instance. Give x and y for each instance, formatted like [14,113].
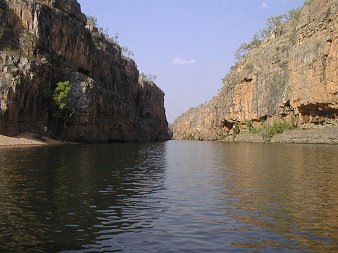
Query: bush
[236,129]
[189,136]
[147,78]
[126,52]
[246,48]
[308,2]
[294,15]
[277,128]
[248,124]
[91,21]
[62,95]
[271,24]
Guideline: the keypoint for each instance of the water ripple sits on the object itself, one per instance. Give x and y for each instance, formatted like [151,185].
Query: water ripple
[169,197]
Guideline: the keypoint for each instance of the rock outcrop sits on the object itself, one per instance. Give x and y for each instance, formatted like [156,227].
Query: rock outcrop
[43,42]
[292,76]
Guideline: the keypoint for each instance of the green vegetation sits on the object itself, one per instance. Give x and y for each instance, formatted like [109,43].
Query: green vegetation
[294,15]
[91,21]
[283,28]
[62,96]
[222,135]
[246,48]
[126,52]
[63,101]
[249,125]
[147,78]
[189,136]
[236,130]
[307,2]
[267,132]
[272,24]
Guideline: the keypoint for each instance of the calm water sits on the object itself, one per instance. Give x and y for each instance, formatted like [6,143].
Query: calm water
[169,197]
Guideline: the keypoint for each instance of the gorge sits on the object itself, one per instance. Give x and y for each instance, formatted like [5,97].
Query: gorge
[290,78]
[44,42]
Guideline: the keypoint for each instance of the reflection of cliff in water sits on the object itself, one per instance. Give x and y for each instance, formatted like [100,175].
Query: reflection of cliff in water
[74,193]
[287,189]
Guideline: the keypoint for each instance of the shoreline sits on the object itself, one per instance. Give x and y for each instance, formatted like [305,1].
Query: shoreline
[27,139]
[295,136]
[324,135]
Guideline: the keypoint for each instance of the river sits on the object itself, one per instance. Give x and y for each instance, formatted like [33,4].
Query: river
[175,196]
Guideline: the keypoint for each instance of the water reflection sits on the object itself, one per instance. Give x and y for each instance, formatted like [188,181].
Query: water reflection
[290,190]
[169,197]
[63,197]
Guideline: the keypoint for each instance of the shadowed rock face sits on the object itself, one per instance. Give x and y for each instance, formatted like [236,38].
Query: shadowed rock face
[47,41]
[292,76]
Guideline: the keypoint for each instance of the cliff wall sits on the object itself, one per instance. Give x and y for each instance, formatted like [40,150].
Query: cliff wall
[44,42]
[291,77]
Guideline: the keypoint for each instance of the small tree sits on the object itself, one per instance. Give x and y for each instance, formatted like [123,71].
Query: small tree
[246,48]
[147,78]
[294,15]
[91,21]
[127,52]
[63,101]
[236,131]
[271,24]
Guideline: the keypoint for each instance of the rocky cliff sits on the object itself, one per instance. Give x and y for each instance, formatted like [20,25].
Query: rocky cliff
[291,77]
[43,42]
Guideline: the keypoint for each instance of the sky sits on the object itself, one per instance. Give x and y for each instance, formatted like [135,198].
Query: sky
[188,44]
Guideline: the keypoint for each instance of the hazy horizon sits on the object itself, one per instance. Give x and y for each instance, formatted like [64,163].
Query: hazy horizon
[189,45]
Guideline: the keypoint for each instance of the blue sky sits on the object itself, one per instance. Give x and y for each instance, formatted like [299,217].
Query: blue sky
[188,44]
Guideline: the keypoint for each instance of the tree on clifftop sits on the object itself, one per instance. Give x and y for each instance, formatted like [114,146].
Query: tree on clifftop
[63,101]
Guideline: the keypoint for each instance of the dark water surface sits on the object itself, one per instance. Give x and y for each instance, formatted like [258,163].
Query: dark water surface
[169,197]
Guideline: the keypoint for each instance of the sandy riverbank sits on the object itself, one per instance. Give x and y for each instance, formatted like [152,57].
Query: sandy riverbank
[27,139]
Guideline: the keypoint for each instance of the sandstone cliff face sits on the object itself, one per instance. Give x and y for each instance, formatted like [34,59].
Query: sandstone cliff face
[290,77]
[47,41]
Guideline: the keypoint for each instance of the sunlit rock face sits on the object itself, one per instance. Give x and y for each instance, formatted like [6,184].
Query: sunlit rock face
[292,77]
[44,42]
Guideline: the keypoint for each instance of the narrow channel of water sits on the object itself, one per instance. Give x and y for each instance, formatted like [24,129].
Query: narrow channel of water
[177,196]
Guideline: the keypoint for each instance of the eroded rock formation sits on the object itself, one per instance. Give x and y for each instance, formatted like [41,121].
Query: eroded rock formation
[43,42]
[291,77]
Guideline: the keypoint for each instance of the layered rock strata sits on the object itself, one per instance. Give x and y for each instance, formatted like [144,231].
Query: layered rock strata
[291,77]
[43,42]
